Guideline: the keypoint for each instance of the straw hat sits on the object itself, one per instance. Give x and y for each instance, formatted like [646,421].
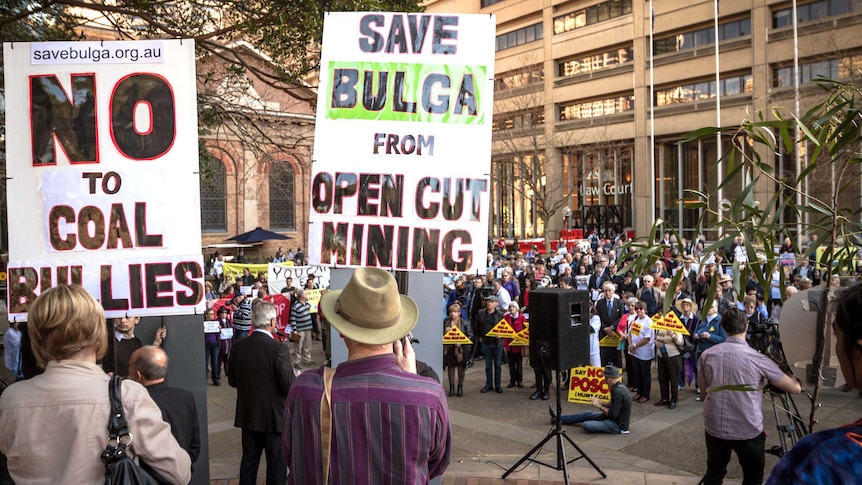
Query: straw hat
[369,309]
[689,301]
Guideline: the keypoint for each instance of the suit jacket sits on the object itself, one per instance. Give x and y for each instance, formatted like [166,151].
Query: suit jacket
[260,370]
[596,281]
[609,319]
[179,410]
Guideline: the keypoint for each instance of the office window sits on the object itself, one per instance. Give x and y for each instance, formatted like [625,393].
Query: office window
[692,93]
[519,37]
[595,109]
[699,38]
[596,62]
[840,68]
[488,3]
[810,12]
[519,79]
[592,15]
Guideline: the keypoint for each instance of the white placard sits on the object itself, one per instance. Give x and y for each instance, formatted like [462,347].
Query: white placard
[226,333]
[400,178]
[277,276]
[212,327]
[105,162]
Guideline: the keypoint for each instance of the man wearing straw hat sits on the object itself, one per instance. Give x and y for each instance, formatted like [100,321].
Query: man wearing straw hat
[373,419]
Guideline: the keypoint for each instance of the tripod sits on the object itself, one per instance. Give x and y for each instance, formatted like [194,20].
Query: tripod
[558,434]
[794,429]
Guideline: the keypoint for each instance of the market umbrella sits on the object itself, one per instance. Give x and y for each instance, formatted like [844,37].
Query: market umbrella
[258,235]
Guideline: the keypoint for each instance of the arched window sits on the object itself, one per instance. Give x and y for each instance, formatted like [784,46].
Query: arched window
[213,183]
[282,206]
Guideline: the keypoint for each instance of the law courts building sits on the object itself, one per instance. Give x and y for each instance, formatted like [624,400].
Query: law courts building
[572,101]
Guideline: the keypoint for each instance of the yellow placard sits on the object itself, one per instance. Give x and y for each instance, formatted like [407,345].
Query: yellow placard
[636,329]
[671,323]
[456,336]
[502,329]
[586,382]
[519,342]
[657,317]
[313,299]
[612,340]
[524,335]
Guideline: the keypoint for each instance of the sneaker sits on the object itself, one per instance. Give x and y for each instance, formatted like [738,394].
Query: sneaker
[625,431]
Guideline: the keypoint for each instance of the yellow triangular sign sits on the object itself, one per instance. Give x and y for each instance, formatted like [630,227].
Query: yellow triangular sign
[455,336]
[657,317]
[612,341]
[524,335]
[519,342]
[672,323]
[502,329]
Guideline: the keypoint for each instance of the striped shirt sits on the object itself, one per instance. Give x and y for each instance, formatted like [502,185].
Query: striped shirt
[389,426]
[300,316]
[732,414]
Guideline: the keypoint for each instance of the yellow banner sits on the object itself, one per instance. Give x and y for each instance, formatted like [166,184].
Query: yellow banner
[671,323]
[586,382]
[455,336]
[232,270]
[612,340]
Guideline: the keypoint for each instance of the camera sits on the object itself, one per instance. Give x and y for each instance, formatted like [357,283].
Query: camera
[763,336]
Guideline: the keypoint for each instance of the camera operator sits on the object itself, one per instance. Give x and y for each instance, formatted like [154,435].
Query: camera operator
[732,418]
[832,455]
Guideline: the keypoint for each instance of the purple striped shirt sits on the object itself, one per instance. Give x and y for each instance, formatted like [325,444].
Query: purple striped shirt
[389,426]
[731,414]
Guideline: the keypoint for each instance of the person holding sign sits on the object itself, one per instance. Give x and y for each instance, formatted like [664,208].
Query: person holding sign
[513,352]
[455,356]
[642,350]
[612,417]
[211,340]
[492,347]
[667,345]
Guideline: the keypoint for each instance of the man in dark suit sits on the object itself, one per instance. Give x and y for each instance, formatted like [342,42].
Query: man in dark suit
[599,277]
[260,370]
[148,366]
[609,308]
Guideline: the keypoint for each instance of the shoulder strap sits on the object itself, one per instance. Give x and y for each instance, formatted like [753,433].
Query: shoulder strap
[117,425]
[326,420]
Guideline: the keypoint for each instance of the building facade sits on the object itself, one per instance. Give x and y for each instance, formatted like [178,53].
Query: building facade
[593,98]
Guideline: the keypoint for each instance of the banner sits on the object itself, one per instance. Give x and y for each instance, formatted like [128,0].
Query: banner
[586,382]
[105,169]
[408,98]
[278,275]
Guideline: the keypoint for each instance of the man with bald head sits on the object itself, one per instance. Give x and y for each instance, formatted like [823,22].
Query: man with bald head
[148,366]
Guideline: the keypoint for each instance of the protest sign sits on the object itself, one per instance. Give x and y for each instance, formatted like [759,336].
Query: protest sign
[105,170]
[232,270]
[408,98]
[672,323]
[211,327]
[502,329]
[611,340]
[278,275]
[313,299]
[586,382]
[455,336]
[525,333]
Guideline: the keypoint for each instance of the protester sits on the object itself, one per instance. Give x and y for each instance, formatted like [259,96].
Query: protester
[732,418]
[612,417]
[124,342]
[669,365]
[300,324]
[372,400]
[832,456]
[513,352]
[211,348]
[149,367]
[70,401]
[260,371]
[455,356]
[224,344]
[610,309]
[708,333]
[492,347]
[642,350]
[12,348]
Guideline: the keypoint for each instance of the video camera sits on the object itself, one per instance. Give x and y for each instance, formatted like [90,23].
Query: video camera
[764,337]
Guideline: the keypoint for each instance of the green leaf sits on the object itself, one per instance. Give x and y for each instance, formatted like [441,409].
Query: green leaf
[734,387]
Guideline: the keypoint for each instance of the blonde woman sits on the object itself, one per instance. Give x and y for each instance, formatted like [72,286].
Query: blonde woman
[455,356]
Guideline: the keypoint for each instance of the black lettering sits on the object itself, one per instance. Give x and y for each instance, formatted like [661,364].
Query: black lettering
[345,186]
[465,257]
[145,240]
[403,246]
[442,104]
[392,196]
[425,244]
[92,176]
[408,144]
[136,286]
[376,40]
[321,193]
[427,143]
[433,208]
[398,102]
[186,274]
[334,242]
[441,33]
[153,272]
[64,274]
[107,293]
[344,88]
[452,212]
[379,248]
[67,214]
[356,245]
[71,122]
[476,187]
[397,35]
[85,216]
[44,280]
[378,142]
[117,183]
[417,32]
[22,283]
[466,96]
[157,93]
[371,101]
[368,189]
[118,228]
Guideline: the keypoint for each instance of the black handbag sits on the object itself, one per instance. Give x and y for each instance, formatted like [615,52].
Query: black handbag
[120,469]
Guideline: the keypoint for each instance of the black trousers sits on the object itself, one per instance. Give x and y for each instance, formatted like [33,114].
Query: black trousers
[749,452]
[668,377]
[610,356]
[516,369]
[253,444]
[643,380]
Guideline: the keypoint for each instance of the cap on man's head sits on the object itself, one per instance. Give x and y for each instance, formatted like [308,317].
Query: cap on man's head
[491,298]
[613,371]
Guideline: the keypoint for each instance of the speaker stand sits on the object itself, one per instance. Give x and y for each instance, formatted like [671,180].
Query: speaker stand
[557,434]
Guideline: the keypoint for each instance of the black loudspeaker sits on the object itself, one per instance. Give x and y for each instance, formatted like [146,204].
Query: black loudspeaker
[560,327]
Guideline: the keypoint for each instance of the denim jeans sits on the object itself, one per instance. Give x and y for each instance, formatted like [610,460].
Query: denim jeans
[594,422]
[493,357]
[211,354]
